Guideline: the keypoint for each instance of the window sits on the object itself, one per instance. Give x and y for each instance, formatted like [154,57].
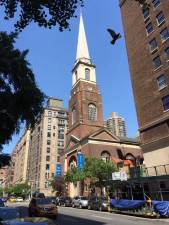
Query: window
[46,184]
[153,45]
[105,156]
[60,136]
[49,113]
[92,112]
[48,150]
[164,34]
[61,113]
[156,3]
[48,142]
[49,120]
[60,143]
[87,74]
[49,127]
[48,134]
[47,175]
[61,121]
[167,52]
[73,116]
[165,101]
[149,28]
[61,128]
[60,150]
[160,18]
[161,81]
[47,158]
[58,158]
[53,134]
[47,166]
[157,62]
[54,127]
[146,13]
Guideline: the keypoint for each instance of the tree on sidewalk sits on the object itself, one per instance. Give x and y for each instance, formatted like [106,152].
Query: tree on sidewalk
[58,185]
[20,190]
[97,170]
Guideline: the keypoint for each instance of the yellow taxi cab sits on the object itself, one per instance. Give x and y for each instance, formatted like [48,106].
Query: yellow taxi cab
[12,199]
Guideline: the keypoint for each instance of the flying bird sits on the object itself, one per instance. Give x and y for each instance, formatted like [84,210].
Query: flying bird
[114,36]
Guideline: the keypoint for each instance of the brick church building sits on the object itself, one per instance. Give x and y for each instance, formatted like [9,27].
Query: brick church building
[87,133]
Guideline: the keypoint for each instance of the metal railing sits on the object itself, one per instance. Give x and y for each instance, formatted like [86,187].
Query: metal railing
[142,171]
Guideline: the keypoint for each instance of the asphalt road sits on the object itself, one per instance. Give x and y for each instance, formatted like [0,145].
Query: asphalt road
[72,216]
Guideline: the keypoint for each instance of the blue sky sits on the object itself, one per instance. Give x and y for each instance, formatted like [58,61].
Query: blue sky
[52,56]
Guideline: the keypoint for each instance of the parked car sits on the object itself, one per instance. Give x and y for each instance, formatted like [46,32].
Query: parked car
[37,194]
[98,203]
[43,207]
[53,199]
[65,201]
[4,199]
[29,221]
[2,203]
[7,213]
[80,202]
[19,199]
[12,199]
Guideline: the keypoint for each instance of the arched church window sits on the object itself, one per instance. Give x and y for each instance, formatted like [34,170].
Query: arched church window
[72,162]
[105,156]
[73,116]
[120,154]
[92,112]
[87,74]
[130,157]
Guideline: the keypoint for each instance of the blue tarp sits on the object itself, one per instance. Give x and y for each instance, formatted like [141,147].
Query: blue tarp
[162,207]
[126,204]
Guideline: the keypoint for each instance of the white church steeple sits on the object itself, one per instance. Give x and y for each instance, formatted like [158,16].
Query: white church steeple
[83,69]
[82,48]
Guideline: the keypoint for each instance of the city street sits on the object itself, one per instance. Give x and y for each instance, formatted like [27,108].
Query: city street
[72,216]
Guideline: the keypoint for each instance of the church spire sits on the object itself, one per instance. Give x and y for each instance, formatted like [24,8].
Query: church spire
[82,48]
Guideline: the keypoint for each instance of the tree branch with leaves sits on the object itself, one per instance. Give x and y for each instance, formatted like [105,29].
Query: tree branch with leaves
[97,170]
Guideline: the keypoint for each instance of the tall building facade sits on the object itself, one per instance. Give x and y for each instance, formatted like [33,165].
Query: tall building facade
[147,40]
[21,159]
[116,125]
[3,176]
[11,173]
[47,141]
[87,134]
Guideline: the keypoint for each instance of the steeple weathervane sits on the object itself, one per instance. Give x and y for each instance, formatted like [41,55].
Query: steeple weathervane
[82,48]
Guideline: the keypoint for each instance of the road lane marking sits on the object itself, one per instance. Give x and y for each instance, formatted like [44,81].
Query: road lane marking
[106,218]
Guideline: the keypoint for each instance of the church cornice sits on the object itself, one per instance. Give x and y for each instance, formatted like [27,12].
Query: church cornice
[84,63]
[83,80]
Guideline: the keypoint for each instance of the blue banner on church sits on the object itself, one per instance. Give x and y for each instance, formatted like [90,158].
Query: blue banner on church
[80,161]
[58,170]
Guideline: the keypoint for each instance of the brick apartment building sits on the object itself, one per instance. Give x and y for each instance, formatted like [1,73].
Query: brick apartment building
[147,41]
[87,133]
